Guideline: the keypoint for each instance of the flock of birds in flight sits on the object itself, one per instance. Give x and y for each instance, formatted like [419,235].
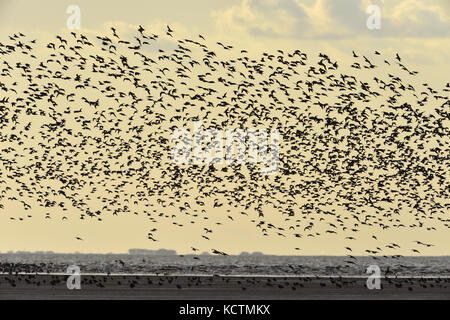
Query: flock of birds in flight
[86,124]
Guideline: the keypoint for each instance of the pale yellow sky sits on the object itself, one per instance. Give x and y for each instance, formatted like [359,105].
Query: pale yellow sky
[418,30]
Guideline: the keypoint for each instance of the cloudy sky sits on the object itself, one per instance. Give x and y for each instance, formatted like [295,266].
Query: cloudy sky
[418,30]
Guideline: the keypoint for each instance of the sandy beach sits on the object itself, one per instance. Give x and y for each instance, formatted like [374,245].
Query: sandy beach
[218,287]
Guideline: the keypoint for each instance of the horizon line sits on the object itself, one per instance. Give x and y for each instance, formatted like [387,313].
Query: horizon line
[243,253]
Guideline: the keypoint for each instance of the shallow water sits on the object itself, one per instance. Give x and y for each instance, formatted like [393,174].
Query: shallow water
[225,265]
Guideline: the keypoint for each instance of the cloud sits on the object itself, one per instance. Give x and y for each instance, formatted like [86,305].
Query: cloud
[336,19]
[413,18]
[263,17]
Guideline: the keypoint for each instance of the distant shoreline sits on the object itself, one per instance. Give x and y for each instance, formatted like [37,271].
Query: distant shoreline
[213,255]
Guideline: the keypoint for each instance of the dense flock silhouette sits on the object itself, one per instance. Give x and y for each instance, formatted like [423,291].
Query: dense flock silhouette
[86,123]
